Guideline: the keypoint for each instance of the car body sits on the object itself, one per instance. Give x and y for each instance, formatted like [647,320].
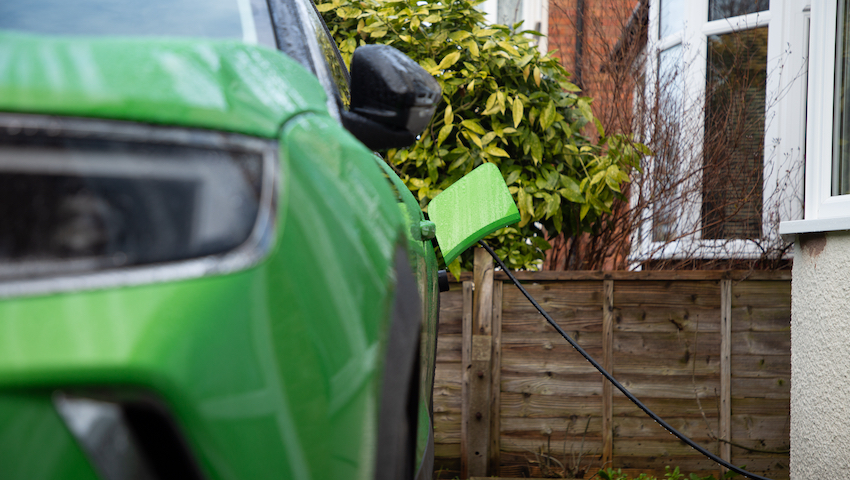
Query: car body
[203,274]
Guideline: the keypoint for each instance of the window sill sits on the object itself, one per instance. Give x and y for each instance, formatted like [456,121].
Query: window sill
[790,228]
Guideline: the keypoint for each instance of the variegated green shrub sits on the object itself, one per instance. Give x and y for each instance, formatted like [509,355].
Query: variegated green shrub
[504,103]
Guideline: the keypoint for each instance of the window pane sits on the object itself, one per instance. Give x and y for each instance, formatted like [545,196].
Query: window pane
[665,143]
[734,135]
[719,9]
[672,17]
[841,123]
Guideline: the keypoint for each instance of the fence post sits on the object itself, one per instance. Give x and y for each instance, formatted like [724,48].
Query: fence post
[607,364]
[477,371]
[725,370]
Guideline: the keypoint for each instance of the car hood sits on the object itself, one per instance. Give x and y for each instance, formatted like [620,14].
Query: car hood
[222,85]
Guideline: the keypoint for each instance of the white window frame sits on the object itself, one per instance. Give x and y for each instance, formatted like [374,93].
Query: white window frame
[784,138]
[533,12]
[823,212]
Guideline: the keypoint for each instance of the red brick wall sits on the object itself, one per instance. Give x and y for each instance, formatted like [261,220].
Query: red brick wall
[604,25]
[611,38]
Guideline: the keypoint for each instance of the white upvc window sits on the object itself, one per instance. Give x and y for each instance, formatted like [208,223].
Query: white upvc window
[697,51]
[534,15]
[827,206]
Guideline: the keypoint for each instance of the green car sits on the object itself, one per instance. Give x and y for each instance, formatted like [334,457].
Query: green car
[205,271]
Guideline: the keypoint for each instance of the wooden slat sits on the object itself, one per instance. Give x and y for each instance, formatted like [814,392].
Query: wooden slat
[547,406]
[567,385]
[495,382]
[667,294]
[761,428]
[762,319]
[648,275]
[772,388]
[668,407]
[585,319]
[761,294]
[556,299]
[668,319]
[764,406]
[466,366]
[725,369]
[644,428]
[607,364]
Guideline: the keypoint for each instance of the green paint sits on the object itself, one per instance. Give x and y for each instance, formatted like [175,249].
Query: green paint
[223,85]
[472,208]
[271,372]
[34,443]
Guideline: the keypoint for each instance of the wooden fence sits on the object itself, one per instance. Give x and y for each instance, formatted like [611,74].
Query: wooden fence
[708,351]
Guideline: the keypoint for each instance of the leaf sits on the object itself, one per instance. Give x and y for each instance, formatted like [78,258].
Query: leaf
[599,128]
[454,268]
[348,45]
[571,190]
[584,209]
[485,32]
[547,116]
[430,66]
[460,161]
[516,110]
[488,137]
[448,118]
[325,7]
[474,138]
[492,105]
[524,60]
[508,48]
[449,60]
[459,35]
[536,148]
[444,134]
[496,151]
[512,177]
[552,178]
[598,177]
[570,87]
[473,126]
[471,45]
[348,12]
[537,76]
[553,205]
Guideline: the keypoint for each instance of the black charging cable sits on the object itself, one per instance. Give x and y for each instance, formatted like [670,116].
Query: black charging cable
[613,380]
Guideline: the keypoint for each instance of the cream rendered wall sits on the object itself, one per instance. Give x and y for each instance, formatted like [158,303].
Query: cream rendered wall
[820,357]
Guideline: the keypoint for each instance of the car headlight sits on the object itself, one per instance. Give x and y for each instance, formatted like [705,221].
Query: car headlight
[80,200]
[127,438]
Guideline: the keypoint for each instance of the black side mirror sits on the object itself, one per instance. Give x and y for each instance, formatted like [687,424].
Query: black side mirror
[392,98]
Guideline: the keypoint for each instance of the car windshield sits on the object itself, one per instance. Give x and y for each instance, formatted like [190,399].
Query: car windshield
[234,19]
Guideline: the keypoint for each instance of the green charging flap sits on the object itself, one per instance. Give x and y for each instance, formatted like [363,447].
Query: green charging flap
[474,207]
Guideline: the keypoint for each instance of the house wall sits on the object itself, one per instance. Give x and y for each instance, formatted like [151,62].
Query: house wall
[602,25]
[820,357]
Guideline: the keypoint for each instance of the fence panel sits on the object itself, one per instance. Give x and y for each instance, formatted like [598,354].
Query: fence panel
[665,342]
